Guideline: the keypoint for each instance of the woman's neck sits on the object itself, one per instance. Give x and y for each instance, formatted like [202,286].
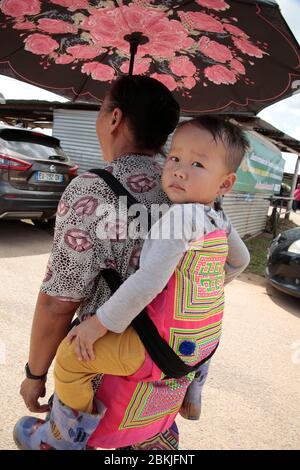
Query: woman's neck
[121,151]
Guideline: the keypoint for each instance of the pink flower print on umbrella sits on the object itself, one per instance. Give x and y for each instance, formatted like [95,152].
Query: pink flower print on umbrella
[201,22]
[247,48]
[56,26]
[237,66]
[214,50]
[18,8]
[185,45]
[141,66]
[166,37]
[167,80]
[189,83]
[72,5]
[135,258]
[214,4]
[141,183]
[107,28]
[85,206]
[26,25]
[48,274]
[116,230]
[98,71]
[40,44]
[62,208]
[78,240]
[235,31]
[64,59]
[220,75]
[182,66]
[85,52]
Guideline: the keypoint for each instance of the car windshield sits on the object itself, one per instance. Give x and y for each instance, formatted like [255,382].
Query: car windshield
[31,145]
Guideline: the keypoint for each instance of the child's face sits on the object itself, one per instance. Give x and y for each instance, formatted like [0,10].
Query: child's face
[195,170]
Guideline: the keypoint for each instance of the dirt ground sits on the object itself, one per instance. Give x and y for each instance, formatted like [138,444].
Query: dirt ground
[252,396]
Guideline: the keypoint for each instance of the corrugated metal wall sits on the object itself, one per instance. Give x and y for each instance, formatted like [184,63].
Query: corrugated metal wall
[76,131]
[247,212]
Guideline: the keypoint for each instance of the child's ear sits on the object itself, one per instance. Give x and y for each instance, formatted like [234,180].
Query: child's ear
[227,184]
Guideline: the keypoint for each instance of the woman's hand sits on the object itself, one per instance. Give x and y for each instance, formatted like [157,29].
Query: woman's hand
[85,336]
[31,391]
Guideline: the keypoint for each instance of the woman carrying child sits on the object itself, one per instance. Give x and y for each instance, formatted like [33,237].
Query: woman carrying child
[181,280]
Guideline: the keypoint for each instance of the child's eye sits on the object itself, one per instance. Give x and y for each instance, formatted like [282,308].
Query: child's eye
[173,158]
[197,164]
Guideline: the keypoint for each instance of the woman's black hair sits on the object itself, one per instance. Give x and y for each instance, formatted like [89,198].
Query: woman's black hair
[148,106]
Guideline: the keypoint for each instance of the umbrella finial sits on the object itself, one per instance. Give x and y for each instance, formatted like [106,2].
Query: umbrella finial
[134,39]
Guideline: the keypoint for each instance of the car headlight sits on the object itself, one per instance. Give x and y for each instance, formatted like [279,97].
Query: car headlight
[295,247]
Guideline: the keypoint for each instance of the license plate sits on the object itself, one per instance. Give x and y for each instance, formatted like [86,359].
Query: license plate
[49,177]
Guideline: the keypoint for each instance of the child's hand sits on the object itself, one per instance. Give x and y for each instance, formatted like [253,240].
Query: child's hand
[85,336]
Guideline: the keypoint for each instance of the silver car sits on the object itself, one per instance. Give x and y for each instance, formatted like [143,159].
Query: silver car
[34,171]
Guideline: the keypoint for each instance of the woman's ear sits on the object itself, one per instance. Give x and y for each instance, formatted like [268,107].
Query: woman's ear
[227,184]
[116,119]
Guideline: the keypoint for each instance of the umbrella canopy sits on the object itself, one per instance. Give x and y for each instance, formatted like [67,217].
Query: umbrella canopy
[215,55]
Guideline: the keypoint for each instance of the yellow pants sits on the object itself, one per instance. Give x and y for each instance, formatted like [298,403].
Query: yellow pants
[116,354]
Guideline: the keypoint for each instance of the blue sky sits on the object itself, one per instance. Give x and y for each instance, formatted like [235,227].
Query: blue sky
[284,115]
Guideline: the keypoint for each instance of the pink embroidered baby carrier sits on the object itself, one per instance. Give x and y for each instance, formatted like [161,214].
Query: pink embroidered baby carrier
[188,315]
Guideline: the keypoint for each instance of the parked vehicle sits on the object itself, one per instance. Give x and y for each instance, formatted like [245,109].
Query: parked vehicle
[34,171]
[283,265]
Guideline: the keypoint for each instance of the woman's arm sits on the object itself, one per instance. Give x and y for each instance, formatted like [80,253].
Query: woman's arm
[71,270]
[50,325]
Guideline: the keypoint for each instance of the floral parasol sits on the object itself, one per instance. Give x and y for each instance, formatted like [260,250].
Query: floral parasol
[215,55]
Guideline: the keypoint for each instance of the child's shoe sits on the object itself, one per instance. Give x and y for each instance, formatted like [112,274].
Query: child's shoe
[67,429]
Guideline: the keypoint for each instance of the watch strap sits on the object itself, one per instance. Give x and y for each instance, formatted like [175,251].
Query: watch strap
[29,375]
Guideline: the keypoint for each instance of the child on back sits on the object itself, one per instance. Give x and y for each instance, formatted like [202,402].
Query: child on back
[184,273]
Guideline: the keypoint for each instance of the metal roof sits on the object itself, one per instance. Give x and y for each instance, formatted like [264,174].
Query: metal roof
[284,142]
[35,110]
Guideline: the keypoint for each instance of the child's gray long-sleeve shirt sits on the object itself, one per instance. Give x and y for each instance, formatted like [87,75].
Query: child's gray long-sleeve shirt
[163,248]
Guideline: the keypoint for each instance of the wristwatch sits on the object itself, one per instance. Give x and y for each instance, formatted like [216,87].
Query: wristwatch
[29,375]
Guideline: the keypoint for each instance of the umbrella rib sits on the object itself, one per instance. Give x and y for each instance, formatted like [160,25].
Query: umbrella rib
[86,79]
[183,4]
[12,52]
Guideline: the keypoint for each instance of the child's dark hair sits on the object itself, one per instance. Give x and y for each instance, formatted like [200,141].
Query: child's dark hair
[151,110]
[232,136]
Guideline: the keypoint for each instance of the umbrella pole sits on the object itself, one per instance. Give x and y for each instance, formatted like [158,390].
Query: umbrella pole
[134,39]
[133,50]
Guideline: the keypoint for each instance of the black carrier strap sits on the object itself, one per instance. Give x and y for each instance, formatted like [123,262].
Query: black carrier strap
[158,349]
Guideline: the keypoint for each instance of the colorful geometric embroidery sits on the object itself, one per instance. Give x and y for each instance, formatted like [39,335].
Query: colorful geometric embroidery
[152,401]
[168,440]
[205,340]
[199,280]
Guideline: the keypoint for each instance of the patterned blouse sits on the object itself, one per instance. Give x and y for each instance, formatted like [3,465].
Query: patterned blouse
[78,254]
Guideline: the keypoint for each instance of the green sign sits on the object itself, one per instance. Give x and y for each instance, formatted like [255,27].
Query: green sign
[262,167]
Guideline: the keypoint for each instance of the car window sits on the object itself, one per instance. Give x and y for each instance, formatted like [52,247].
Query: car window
[31,145]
